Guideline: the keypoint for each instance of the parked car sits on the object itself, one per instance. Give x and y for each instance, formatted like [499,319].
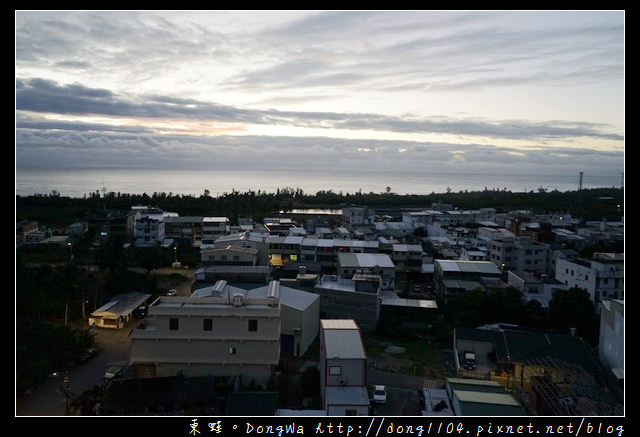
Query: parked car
[113,372]
[469,360]
[140,312]
[87,354]
[172,292]
[380,394]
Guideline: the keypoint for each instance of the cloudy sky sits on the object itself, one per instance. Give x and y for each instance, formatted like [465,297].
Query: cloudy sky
[537,92]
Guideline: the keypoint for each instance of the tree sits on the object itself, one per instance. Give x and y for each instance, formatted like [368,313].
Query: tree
[573,308]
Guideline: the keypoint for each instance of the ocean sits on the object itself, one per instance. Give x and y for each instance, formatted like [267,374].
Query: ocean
[78,182]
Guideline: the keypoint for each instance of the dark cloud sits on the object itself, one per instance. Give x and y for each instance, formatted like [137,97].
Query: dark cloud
[38,95]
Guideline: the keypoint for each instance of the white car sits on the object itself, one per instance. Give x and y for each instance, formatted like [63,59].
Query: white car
[172,292]
[380,394]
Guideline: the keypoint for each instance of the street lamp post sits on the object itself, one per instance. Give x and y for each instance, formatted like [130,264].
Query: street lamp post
[70,251]
[65,387]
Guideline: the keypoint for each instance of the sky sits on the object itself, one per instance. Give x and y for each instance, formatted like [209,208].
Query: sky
[538,92]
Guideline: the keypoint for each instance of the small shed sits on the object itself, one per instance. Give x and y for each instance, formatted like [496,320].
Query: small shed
[118,311]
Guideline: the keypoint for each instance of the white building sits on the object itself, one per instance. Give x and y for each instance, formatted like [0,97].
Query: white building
[343,369]
[602,276]
[611,347]
[358,215]
[368,263]
[538,288]
[213,228]
[219,331]
[148,226]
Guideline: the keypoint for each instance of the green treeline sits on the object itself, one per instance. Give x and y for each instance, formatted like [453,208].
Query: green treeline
[592,204]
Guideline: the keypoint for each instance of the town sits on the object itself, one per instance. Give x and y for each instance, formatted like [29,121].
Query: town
[328,309]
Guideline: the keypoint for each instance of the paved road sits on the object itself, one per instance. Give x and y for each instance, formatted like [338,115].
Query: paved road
[49,400]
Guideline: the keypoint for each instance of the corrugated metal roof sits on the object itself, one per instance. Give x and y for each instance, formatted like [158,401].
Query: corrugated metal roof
[486,397]
[123,304]
[365,260]
[338,324]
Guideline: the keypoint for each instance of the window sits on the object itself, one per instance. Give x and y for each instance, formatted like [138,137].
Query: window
[253,325]
[173,324]
[207,325]
[335,370]
[232,350]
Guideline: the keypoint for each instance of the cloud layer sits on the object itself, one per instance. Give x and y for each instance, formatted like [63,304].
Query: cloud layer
[367,90]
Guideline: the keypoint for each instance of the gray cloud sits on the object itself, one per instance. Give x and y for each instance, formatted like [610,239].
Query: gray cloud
[313,153]
[37,95]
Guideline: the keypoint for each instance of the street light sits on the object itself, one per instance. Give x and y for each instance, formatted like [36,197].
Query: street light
[65,387]
[70,251]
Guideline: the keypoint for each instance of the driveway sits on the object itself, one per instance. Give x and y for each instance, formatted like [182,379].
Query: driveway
[49,400]
[402,393]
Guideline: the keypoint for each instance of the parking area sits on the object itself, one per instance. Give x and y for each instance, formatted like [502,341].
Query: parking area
[400,402]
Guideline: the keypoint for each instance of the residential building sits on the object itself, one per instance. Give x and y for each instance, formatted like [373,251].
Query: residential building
[358,298]
[420,219]
[343,369]
[219,331]
[279,226]
[354,215]
[369,263]
[535,287]
[251,240]
[188,227]
[283,249]
[148,226]
[453,276]
[407,257]
[474,254]
[230,255]
[602,276]
[214,228]
[611,346]
[107,223]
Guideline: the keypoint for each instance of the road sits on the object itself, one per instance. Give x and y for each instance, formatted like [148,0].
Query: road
[49,400]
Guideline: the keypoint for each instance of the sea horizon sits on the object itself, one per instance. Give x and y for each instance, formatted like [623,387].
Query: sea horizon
[82,181]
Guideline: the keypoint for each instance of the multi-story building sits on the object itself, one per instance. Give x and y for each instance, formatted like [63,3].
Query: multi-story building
[220,331]
[452,276]
[188,227]
[350,264]
[213,228]
[602,276]
[148,227]
[343,369]
[518,253]
[407,257]
[535,287]
[358,215]
[611,346]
